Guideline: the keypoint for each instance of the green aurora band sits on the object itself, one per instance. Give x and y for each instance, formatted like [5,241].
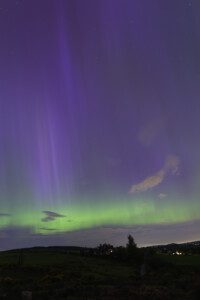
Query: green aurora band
[75,217]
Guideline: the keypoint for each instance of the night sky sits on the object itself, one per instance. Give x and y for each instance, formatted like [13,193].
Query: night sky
[99,122]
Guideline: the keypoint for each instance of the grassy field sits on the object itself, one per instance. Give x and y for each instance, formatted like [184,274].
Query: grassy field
[52,270]
[36,258]
[58,275]
[182,260]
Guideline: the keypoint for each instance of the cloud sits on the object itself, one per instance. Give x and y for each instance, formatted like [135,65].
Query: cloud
[48,229]
[171,166]
[148,183]
[162,195]
[5,215]
[51,216]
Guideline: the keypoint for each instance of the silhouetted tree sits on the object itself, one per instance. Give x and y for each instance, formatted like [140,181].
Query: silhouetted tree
[131,245]
[131,248]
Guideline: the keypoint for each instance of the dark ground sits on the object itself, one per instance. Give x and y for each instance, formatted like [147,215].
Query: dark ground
[60,274]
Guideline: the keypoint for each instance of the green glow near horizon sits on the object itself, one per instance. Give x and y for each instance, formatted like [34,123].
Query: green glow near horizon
[78,216]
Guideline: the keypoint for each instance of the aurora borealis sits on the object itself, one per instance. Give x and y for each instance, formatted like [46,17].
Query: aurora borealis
[99,121]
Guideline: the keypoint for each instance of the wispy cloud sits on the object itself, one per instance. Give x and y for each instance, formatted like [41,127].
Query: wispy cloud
[171,166]
[148,183]
[48,229]
[51,216]
[5,215]
[162,196]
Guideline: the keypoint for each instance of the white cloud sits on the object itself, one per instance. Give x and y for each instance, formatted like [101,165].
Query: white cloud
[171,166]
[148,182]
[162,196]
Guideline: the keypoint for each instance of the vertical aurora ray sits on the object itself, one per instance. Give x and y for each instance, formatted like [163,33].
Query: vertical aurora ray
[99,115]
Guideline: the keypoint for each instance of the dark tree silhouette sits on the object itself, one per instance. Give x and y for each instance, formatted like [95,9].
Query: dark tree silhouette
[131,248]
[131,243]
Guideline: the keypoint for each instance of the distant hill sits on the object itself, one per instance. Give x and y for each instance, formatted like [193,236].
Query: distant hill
[189,247]
[183,248]
[49,249]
